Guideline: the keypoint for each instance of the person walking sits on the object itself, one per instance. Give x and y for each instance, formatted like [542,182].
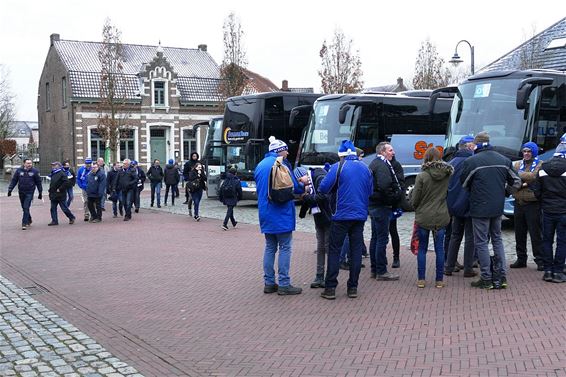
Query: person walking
[104,168]
[113,191]
[428,197]
[155,175]
[58,193]
[197,184]
[139,186]
[229,194]
[95,190]
[276,220]
[72,181]
[527,214]
[27,178]
[486,175]
[81,181]
[351,184]
[126,183]
[458,204]
[187,168]
[551,191]
[319,206]
[171,176]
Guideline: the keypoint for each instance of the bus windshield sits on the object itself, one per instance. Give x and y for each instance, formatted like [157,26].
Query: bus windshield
[488,105]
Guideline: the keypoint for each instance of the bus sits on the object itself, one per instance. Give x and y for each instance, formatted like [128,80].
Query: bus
[212,154]
[401,119]
[248,123]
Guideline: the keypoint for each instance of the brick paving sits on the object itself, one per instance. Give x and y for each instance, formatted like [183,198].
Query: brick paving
[173,297]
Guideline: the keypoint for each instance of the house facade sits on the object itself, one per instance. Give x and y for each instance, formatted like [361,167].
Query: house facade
[169,91]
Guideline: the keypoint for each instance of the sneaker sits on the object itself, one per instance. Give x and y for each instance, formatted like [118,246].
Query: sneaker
[496,284]
[52,223]
[318,283]
[127,218]
[289,290]
[344,266]
[352,292]
[504,283]
[234,225]
[197,218]
[439,284]
[159,206]
[96,220]
[86,218]
[72,221]
[459,265]
[151,205]
[224,227]
[421,283]
[559,277]
[24,227]
[328,293]
[270,288]
[547,276]
[388,276]
[396,263]
[482,284]
[137,210]
[470,274]
[518,264]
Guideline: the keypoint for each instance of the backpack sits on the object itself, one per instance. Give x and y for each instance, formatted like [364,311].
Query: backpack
[280,183]
[194,185]
[228,189]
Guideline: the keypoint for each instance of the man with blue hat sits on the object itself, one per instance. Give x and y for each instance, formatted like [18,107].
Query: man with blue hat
[551,191]
[58,184]
[527,214]
[458,203]
[82,175]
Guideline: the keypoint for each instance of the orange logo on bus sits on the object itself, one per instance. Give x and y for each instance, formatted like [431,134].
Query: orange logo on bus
[420,148]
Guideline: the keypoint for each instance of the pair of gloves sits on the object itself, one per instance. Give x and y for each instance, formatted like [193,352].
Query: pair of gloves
[40,196]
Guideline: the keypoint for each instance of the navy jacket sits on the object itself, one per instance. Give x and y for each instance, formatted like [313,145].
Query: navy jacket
[26,180]
[96,184]
[171,175]
[458,199]
[238,185]
[353,188]
[486,175]
[551,188]
[127,179]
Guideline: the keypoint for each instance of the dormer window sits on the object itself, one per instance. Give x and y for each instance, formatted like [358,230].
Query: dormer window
[159,93]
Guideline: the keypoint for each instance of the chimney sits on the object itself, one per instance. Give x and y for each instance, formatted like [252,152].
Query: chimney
[400,81]
[285,86]
[202,47]
[54,38]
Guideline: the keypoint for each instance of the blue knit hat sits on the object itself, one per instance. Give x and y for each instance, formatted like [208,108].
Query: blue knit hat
[134,162]
[532,146]
[277,145]
[170,161]
[466,139]
[300,172]
[347,148]
[88,160]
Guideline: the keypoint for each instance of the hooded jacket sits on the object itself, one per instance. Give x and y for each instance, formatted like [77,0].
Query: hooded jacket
[189,165]
[429,195]
[458,199]
[171,174]
[26,180]
[274,218]
[352,189]
[551,188]
[486,175]
[81,176]
[237,184]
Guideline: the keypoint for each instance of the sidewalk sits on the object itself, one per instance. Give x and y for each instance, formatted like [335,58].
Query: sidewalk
[173,297]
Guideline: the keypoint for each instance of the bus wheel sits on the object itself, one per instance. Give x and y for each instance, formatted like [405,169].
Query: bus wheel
[409,185]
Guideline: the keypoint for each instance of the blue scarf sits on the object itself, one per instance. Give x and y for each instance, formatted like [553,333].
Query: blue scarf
[532,167]
[55,171]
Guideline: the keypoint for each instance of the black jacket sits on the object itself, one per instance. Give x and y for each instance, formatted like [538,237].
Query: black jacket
[199,177]
[58,186]
[486,175]
[386,190]
[127,179]
[324,217]
[189,165]
[155,173]
[141,178]
[171,175]
[237,184]
[551,187]
[72,176]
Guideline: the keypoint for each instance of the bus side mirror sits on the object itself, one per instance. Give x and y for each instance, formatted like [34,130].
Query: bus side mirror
[342,114]
[526,87]
[299,111]
[448,92]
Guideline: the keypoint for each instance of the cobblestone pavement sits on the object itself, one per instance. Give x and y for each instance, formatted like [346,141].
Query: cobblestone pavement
[34,341]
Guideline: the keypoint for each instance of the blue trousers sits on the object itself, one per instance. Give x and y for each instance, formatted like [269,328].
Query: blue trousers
[283,241]
[25,200]
[338,231]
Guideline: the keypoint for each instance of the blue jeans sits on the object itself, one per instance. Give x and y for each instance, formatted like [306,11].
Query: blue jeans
[486,228]
[156,190]
[70,196]
[64,208]
[25,200]
[338,231]
[272,241]
[345,252]
[380,218]
[554,223]
[127,199]
[461,229]
[117,204]
[438,238]
[197,196]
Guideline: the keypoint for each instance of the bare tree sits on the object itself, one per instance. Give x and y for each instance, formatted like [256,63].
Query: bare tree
[7,105]
[532,47]
[112,108]
[232,73]
[341,69]
[430,72]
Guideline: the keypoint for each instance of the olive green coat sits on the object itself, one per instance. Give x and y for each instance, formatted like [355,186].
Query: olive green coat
[429,195]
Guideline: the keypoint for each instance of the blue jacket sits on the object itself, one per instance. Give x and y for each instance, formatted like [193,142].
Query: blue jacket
[355,185]
[81,176]
[26,180]
[458,199]
[274,218]
[96,184]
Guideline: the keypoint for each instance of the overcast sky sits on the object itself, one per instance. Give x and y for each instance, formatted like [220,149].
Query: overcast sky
[282,38]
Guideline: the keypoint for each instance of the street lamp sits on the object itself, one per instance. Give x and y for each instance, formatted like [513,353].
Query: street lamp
[456,59]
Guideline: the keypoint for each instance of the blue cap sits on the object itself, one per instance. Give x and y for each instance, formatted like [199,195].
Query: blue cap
[171,161]
[532,146]
[134,162]
[466,139]
[88,160]
[347,148]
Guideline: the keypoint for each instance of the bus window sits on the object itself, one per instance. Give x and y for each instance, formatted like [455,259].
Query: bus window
[406,116]
[550,113]
[368,129]
[240,114]
[274,118]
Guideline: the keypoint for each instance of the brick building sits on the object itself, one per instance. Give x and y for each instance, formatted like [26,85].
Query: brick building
[169,90]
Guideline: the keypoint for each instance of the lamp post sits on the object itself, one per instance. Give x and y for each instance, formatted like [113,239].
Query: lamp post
[456,59]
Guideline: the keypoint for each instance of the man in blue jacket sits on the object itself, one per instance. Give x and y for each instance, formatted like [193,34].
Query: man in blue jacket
[27,178]
[95,190]
[81,182]
[276,221]
[350,182]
